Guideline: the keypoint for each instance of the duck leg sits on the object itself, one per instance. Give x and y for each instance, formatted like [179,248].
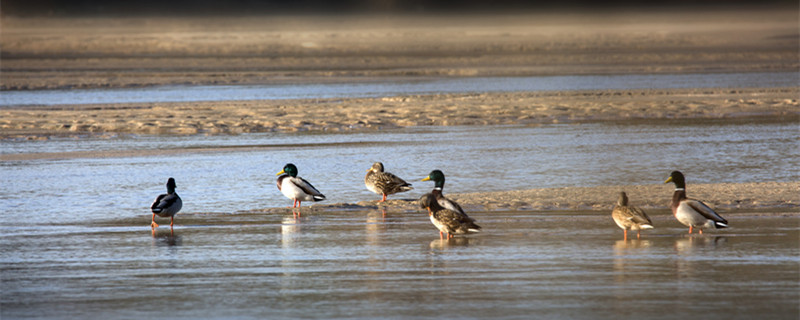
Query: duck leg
[384,198]
[690,229]
[638,234]
[625,234]
[153,223]
[700,231]
[441,236]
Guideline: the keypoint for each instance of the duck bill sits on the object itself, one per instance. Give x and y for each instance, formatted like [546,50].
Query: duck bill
[426,178]
[280,173]
[668,180]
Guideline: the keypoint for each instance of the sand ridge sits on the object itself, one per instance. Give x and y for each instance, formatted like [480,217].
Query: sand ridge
[746,197]
[515,108]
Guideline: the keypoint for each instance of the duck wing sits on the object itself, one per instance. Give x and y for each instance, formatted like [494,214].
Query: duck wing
[448,203]
[638,216]
[390,183]
[308,188]
[705,211]
[455,221]
[164,201]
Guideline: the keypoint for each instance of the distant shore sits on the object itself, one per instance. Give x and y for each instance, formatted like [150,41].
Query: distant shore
[115,52]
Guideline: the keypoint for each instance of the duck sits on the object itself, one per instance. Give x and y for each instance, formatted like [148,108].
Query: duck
[690,212]
[438,177]
[384,183]
[447,221]
[630,217]
[296,188]
[166,205]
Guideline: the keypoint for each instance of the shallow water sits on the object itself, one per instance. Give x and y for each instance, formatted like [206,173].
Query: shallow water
[381,89]
[364,265]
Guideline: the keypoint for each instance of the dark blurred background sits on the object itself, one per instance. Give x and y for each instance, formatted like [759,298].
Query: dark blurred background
[260,7]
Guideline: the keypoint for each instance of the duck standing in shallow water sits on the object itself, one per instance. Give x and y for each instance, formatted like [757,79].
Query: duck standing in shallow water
[446,220]
[630,217]
[438,177]
[384,183]
[690,212]
[166,205]
[296,188]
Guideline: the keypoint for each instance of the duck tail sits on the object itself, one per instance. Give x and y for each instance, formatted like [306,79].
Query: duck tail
[720,225]
[474,228]
[319,198]
[647,226]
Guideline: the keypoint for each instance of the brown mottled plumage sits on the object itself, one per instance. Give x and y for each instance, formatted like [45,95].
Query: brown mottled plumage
[384,183]
[630,217]
[446,220]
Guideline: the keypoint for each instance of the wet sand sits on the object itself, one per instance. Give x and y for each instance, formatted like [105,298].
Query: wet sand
[781,197]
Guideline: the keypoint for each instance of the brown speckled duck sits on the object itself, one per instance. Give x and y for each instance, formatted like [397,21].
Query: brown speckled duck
[384,183]
[446,220]
[629,217]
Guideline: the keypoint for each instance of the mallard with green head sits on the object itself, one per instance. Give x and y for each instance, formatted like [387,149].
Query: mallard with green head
[384,183]
[166,205]
[296,188]
[690,212]
[629,217]
[438,177]
[446,220]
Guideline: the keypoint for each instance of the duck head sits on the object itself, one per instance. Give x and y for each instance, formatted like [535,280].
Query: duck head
[437,176]
[376,167]
[623,199]
[428,201]
[171,185]
[289,169]
[677,178]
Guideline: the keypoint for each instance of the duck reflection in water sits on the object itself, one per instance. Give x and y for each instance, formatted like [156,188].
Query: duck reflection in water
[622,246]
[166,238]
[687,245]
[290,230]
[452,242]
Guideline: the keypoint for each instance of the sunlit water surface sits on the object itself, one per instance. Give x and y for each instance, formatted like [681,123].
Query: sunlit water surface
[365,265]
